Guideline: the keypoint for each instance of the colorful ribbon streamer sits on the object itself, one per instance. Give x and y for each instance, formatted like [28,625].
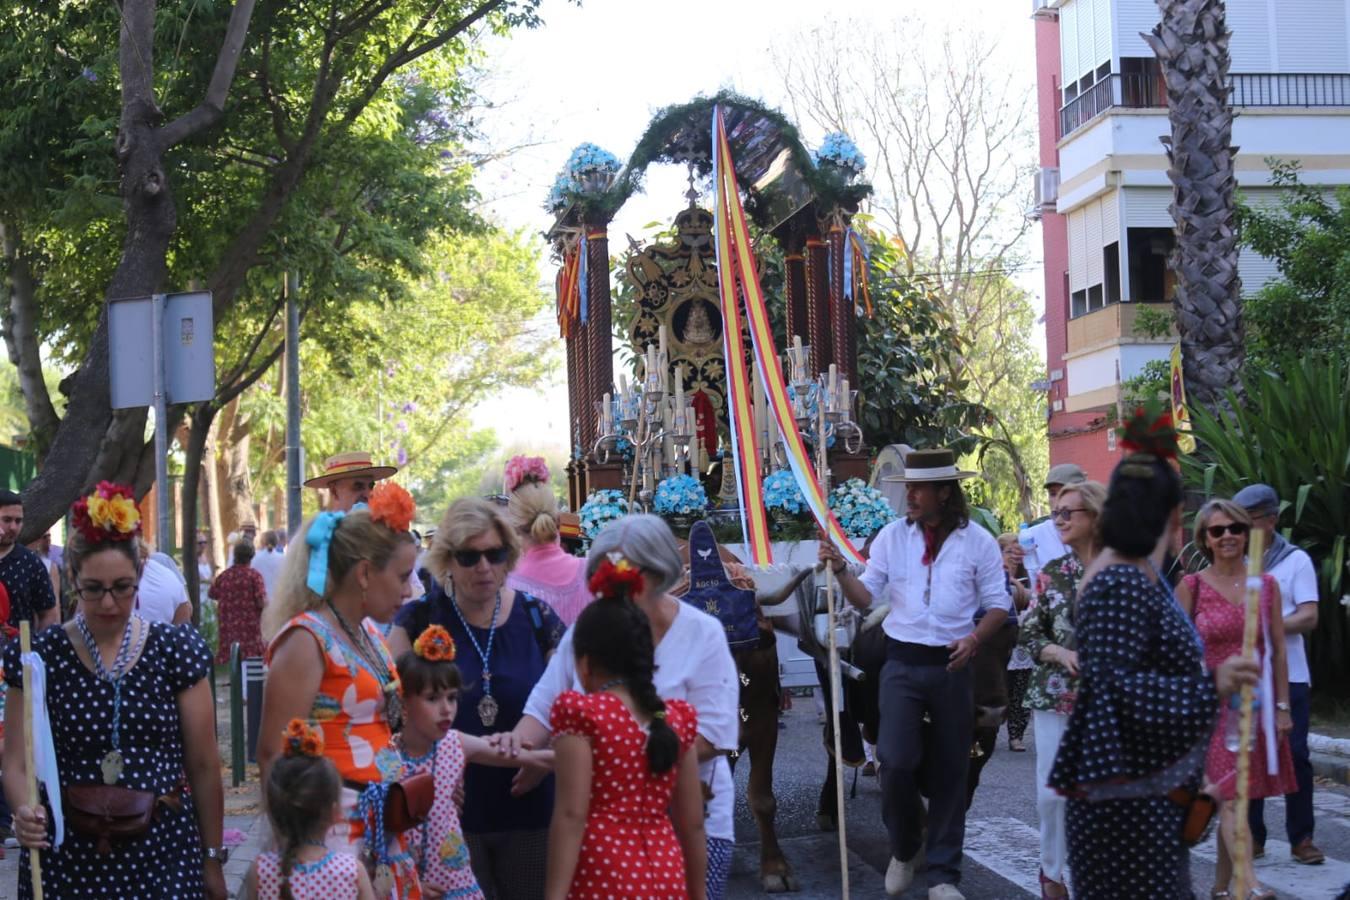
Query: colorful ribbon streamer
[858,257]
[569,297]
[734,253]
[583,280]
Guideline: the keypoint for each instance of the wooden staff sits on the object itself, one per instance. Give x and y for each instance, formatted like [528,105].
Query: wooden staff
[836,693]
[1251,622]
[30,772]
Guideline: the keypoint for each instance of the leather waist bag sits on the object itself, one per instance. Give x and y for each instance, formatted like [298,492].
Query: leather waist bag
[110,814]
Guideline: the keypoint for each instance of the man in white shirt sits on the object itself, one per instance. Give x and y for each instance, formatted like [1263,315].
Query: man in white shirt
[1293,569]
[269,561]
[161,595]
[1046,535]
[936,570]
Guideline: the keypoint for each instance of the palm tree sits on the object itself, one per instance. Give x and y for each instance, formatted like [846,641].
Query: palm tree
[1191,42]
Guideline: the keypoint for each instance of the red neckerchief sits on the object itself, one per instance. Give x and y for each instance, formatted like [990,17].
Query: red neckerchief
[932,543]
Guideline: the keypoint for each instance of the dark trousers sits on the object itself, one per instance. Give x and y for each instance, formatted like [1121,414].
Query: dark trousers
[1298,808]
[915,682]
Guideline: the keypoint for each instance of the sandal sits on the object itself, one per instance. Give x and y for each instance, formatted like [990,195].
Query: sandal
[1261,894]
[1217,894]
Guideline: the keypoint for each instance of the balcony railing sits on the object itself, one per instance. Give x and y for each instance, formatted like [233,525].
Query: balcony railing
[1306,90]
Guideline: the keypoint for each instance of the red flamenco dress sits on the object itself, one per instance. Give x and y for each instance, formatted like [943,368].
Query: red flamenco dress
[629,850]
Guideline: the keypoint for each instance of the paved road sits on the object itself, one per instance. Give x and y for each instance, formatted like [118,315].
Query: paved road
[1002,841]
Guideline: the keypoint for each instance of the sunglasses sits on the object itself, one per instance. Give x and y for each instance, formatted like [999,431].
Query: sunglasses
[1066,513]
[1237,529]
[469,558]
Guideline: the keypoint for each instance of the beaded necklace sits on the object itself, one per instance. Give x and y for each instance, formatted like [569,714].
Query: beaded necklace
[393,704]
[113,762]
[487,707]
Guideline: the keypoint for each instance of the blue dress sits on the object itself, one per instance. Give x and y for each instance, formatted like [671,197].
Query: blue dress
[518,661]
[166,862]
[1139,728]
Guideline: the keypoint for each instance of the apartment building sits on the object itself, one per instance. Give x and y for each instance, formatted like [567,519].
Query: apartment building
[1102,192]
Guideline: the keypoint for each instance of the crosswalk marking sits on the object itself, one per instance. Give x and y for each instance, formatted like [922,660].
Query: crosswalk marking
[1278,870]
[1008,847]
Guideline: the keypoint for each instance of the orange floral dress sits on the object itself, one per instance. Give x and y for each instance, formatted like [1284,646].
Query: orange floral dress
[349,709]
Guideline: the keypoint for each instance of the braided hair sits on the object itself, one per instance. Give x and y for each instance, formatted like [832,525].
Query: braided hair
[301,793]
[616,636]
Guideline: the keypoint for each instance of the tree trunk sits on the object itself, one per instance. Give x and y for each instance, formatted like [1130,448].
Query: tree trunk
[21,340]
[211,477]
[1191,42]
[198,445]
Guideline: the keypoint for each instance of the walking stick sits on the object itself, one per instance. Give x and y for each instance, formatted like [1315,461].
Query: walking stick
[30,773]
[836,692]
[1242,830]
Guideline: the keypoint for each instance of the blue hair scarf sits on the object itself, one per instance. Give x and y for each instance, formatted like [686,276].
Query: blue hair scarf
[319,538]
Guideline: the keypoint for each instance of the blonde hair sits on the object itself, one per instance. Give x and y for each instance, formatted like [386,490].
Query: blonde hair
[357,537]
[1092,494]
[1006,539]
[1229,509]
[466,519]
[534,511]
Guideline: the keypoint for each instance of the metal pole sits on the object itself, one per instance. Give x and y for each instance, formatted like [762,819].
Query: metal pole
[236,716]
[836,686]
[294,513]
[161,421]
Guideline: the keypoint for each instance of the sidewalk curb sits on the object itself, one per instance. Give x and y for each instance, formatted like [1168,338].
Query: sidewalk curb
[1333,768]
[1320,743]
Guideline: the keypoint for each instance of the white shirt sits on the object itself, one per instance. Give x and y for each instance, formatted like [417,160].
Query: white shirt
[694,664]
[1298,585]
[268,562]
[935,605]
[1048,547]
[160,593]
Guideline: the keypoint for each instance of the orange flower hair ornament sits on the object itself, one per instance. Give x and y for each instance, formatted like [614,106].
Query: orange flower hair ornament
[616,579]
[108,514]
[299,739]
[391,505]
[435,645]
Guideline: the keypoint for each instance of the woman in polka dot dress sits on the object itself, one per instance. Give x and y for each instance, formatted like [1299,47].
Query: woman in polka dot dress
[130,709]
[623,760]
[304,793]
[1135,743]
[431,685]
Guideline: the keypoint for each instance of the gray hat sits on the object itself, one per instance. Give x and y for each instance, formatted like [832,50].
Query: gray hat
[1258,499]
[1065,473]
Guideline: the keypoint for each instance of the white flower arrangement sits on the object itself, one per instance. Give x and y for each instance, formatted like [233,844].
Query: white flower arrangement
[601,508]
[680,495]
[861,510]
[838,150]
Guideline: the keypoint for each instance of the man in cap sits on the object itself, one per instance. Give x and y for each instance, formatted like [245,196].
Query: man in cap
[349,478]
[937,571]
[1293,570]
[1048,546]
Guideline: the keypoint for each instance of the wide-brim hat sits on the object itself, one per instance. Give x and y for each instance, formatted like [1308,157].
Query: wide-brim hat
[349,465]
[930,465]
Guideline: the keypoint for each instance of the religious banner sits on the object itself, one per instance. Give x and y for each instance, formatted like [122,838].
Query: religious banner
[1181,417]
[736,266]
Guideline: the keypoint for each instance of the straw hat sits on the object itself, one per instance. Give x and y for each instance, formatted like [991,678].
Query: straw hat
[349,465]
[930,465]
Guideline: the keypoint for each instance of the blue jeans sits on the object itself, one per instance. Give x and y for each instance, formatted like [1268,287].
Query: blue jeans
[1298,808]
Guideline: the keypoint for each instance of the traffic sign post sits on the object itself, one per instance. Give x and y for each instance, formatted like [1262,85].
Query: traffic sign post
[180,367]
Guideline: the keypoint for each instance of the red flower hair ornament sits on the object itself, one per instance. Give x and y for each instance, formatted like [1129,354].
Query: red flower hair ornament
[616,579]
[1149,433]
[108,514]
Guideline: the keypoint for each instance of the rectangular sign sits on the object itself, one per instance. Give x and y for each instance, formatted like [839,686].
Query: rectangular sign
[188,349]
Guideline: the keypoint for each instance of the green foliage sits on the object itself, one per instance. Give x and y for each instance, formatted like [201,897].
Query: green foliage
[1153,383]
[1293,433]
[1307,310]
[1154,323]
[908,360]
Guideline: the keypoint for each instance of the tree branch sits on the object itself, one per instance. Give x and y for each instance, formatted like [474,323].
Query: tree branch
[212,107]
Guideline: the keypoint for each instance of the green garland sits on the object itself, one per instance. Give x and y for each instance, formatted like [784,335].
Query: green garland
[696,116]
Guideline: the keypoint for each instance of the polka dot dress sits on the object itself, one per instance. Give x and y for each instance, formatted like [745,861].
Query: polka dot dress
[166,862]
[629,850]
[334,877]
[438,844]
[1139,727]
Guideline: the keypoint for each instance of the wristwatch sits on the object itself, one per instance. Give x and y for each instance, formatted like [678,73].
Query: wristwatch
[1282,707]
[219,854]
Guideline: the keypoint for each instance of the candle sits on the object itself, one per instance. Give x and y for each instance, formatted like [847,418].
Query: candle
[679,388]
[667,444]
[696,443]
[844,398]
[606,416]
[773,440]
[760,408]
[834,380]
[797,359]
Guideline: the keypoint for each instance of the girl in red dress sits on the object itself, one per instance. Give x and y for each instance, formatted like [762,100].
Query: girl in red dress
[1216,599]
[623,764]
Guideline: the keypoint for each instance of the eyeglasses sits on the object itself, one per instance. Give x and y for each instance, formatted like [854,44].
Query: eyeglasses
[1065,514]
[93,591]
[1237,529]
[469,558]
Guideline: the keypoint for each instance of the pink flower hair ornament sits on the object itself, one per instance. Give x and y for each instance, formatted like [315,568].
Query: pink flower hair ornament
[525,470]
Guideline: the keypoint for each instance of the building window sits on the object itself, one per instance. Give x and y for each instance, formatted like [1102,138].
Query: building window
[1141,82]
[1095,300]
[1111,267]
[1079,305]
[1151,281]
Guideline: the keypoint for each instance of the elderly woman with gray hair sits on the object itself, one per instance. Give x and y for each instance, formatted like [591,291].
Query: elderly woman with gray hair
[504,640]
[693,663]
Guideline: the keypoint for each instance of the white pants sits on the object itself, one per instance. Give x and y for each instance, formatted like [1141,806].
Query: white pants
[1050,805]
